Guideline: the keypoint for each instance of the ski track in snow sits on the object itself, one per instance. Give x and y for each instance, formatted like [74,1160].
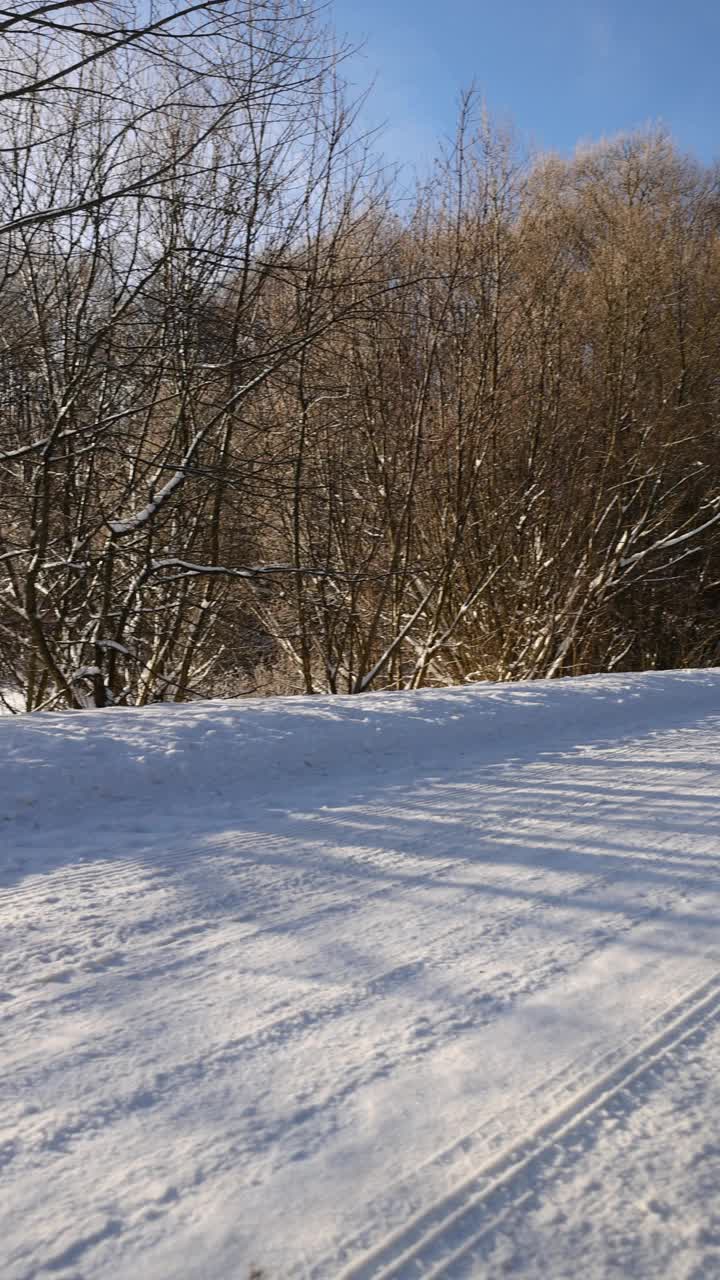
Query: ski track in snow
[473,1212]
[365,988]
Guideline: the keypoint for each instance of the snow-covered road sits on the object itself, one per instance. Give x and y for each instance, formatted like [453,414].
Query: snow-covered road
[392,986]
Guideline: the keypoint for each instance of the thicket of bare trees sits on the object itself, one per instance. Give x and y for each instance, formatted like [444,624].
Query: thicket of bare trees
[264,427]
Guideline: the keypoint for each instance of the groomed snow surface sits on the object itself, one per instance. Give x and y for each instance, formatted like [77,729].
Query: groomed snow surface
[393,986]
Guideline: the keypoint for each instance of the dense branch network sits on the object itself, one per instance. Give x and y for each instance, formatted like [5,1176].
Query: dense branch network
[265,425]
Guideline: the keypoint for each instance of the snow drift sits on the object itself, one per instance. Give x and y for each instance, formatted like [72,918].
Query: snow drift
[172,758]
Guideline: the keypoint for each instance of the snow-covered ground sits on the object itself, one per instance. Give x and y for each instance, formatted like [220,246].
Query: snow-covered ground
[391,986]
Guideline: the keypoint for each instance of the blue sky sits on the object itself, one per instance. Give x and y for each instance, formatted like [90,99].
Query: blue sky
[561,71]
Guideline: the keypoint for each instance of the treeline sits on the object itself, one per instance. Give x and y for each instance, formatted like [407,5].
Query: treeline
[269,425]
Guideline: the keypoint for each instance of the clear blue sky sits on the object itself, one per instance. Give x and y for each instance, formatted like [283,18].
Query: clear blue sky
[561,70]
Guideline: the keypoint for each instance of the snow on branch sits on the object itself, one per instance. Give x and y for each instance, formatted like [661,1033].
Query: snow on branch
[123,527]
[188,568]
[672,540]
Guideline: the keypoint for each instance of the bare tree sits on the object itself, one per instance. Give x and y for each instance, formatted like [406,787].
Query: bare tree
[264,427]
[145,324]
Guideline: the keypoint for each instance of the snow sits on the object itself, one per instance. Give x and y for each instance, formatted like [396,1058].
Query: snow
[11,701]
[386,986]
[136,522]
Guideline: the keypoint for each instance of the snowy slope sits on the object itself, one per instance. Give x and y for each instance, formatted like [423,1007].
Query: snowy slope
[390,986]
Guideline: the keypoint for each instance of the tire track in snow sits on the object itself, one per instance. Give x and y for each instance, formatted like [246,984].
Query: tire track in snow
[305,1018]
[245,853]
[311,1018]
[245,857]
[444,953]
[237,852]
[439,1239]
